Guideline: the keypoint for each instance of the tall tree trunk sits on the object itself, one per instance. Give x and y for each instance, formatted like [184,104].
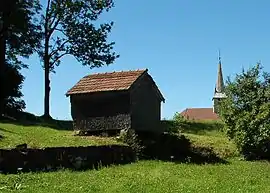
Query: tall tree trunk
[47,81]
[46,60]
[47,92]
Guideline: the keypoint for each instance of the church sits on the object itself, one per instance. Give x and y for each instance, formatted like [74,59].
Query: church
[208,113]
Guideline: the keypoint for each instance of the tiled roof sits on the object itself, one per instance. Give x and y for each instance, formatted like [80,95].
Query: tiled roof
[106,82]
[200,114]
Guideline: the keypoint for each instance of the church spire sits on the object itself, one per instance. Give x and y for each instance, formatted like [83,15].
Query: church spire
[220,83]
[219,87]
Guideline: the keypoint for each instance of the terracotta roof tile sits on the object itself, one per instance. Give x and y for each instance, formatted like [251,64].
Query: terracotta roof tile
[200,114]
[106,82]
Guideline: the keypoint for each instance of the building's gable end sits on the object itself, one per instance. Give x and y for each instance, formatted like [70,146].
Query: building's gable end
[145,105]
[146,77]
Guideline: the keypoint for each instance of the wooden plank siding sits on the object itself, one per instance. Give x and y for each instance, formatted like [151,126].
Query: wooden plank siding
[100,104]
[145,105]
[101,111]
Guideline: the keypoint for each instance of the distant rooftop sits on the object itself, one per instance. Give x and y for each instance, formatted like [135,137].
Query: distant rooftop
[199,114]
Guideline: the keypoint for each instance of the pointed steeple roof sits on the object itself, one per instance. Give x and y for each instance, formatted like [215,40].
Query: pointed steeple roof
[219,87]
[220,82]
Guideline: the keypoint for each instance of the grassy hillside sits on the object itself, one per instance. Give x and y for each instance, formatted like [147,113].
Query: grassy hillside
[205,134]
[41,136]
[143,176]
[210,134]
[217,141]
[202,134]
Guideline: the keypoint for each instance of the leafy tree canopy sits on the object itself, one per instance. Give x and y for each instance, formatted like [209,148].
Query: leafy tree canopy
[70,27]
[19,36]
[246,112]
[19,29]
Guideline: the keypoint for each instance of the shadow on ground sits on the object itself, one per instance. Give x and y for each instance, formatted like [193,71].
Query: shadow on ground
[175,148]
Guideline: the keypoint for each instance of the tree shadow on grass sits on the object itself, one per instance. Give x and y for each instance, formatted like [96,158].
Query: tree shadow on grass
[178,149]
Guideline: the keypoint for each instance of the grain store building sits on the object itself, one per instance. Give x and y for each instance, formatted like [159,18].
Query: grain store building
[115,101]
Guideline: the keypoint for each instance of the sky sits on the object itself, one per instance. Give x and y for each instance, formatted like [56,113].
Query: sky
[177,41]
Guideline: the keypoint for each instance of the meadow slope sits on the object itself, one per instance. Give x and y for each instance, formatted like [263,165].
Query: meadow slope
[143,176]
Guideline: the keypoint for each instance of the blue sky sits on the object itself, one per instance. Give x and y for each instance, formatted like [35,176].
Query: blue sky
[177,41]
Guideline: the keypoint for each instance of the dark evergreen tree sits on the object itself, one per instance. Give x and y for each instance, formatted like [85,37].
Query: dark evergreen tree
[19,36]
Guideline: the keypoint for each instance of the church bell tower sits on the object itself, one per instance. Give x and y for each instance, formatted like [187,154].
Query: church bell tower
[219,93]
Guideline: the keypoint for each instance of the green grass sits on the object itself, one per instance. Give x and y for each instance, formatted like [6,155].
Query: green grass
[209,134]
[143,176]
[38,136]
[148,176]
[215,140]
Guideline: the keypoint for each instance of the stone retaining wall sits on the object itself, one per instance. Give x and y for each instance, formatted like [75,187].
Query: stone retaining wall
[47,159]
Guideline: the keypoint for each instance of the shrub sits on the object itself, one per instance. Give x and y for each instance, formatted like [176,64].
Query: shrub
[246,113]
[171,126]
[174,126]
[130,137]
[179,118]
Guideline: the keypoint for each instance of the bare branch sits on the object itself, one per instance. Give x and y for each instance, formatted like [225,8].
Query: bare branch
[54,17]
[53,20]
[55,43]
[54,26]
[57,58]
[58,48]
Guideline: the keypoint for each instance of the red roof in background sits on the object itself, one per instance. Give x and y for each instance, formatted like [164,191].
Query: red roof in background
[111,81]
[199,114]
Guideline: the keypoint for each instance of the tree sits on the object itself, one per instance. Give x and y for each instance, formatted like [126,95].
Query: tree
[69,29]
[246,112]
[11,93]
[19,36]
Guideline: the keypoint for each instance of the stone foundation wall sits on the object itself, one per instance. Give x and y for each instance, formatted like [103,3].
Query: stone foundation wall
[117,122]
[53,158]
